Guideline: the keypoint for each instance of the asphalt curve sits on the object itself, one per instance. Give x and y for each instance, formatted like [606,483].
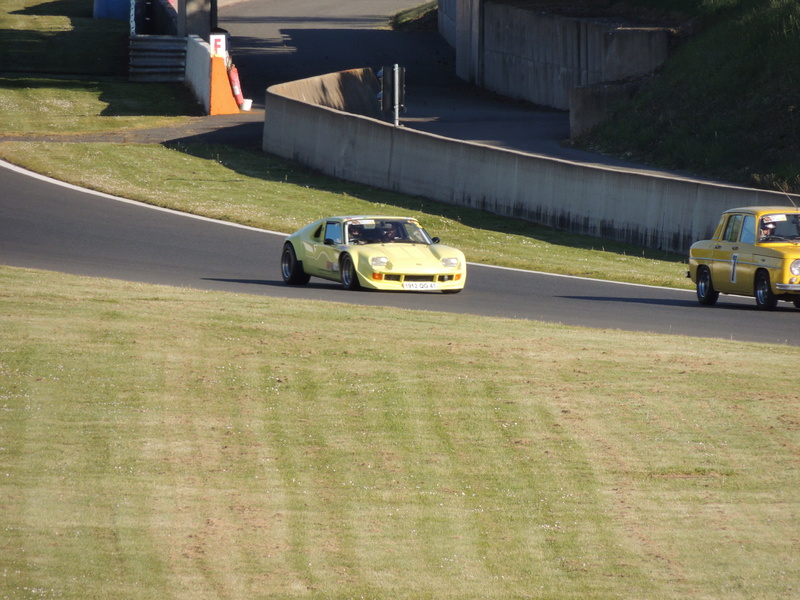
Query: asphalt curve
[45,224]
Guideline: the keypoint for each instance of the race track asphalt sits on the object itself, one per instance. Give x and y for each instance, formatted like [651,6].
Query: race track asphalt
[47,225]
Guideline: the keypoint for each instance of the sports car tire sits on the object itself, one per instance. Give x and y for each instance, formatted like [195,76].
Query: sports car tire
[706,294]
[765,298]
[291,268]
[349,275]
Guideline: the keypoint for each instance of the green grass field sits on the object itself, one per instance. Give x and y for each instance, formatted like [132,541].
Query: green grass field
[168,443]
[160,442]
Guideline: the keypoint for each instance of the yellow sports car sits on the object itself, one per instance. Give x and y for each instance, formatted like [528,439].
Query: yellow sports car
[755,252]
[382,253]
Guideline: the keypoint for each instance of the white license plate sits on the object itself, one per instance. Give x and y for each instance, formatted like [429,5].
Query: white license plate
[419,285]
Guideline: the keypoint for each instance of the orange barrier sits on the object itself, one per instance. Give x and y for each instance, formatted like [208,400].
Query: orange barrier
[222,101]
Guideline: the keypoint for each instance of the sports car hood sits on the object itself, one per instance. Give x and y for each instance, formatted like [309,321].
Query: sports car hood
[407,252]
[414,255]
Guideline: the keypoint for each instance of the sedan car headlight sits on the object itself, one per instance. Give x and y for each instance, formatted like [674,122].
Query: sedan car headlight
[795,267]
[450,262]
[379,261]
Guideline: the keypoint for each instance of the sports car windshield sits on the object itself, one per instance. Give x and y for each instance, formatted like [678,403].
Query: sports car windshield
[779,228]
[373,231]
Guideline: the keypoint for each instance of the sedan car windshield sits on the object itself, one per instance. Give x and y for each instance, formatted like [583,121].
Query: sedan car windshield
[779,227]
[371,231]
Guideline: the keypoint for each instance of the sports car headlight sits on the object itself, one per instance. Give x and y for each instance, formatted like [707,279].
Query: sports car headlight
[379,261]
[795,267]
[450,262]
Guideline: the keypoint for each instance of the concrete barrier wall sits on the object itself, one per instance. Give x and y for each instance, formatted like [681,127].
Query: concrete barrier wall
[660,212]
[540,58]
[354,91]
[198,70]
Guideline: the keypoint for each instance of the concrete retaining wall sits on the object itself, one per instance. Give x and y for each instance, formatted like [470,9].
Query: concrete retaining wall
[446,20]
[667,213]
[468,23]
[540,58]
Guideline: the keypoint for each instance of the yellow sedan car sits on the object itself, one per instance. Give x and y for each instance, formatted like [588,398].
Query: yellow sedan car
[373,252]
[755,252]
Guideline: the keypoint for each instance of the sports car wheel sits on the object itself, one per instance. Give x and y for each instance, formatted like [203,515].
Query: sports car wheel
[291,268]
[796,302]
[706,294]
[765,298]
[349,275]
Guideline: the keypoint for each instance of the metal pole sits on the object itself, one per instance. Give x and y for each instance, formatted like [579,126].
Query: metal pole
[396,94]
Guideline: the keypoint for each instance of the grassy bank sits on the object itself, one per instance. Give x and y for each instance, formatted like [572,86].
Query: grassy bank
[167,443]
[58,107]
[726,104]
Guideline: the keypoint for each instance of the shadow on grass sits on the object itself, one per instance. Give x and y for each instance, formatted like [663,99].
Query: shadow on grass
[122,98]
[67,51]
[58,8]
[125,99]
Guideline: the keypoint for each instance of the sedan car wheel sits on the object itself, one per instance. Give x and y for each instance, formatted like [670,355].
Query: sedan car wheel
[349,275]
[706,294]
[291,268]
[765,298]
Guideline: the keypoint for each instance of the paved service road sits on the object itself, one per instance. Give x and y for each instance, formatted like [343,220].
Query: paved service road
[45,225]
[283,40]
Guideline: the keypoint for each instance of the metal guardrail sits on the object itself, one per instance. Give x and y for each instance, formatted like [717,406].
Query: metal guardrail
[157,58]
[156,54]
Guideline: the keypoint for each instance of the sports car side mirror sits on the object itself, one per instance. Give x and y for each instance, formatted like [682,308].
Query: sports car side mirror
[329,242]
[436,240]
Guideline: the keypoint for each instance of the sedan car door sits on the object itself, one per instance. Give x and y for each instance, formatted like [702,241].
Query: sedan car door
[746,256]
[732,257]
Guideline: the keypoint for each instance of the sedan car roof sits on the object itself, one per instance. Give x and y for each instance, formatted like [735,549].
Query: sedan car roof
[764,209]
